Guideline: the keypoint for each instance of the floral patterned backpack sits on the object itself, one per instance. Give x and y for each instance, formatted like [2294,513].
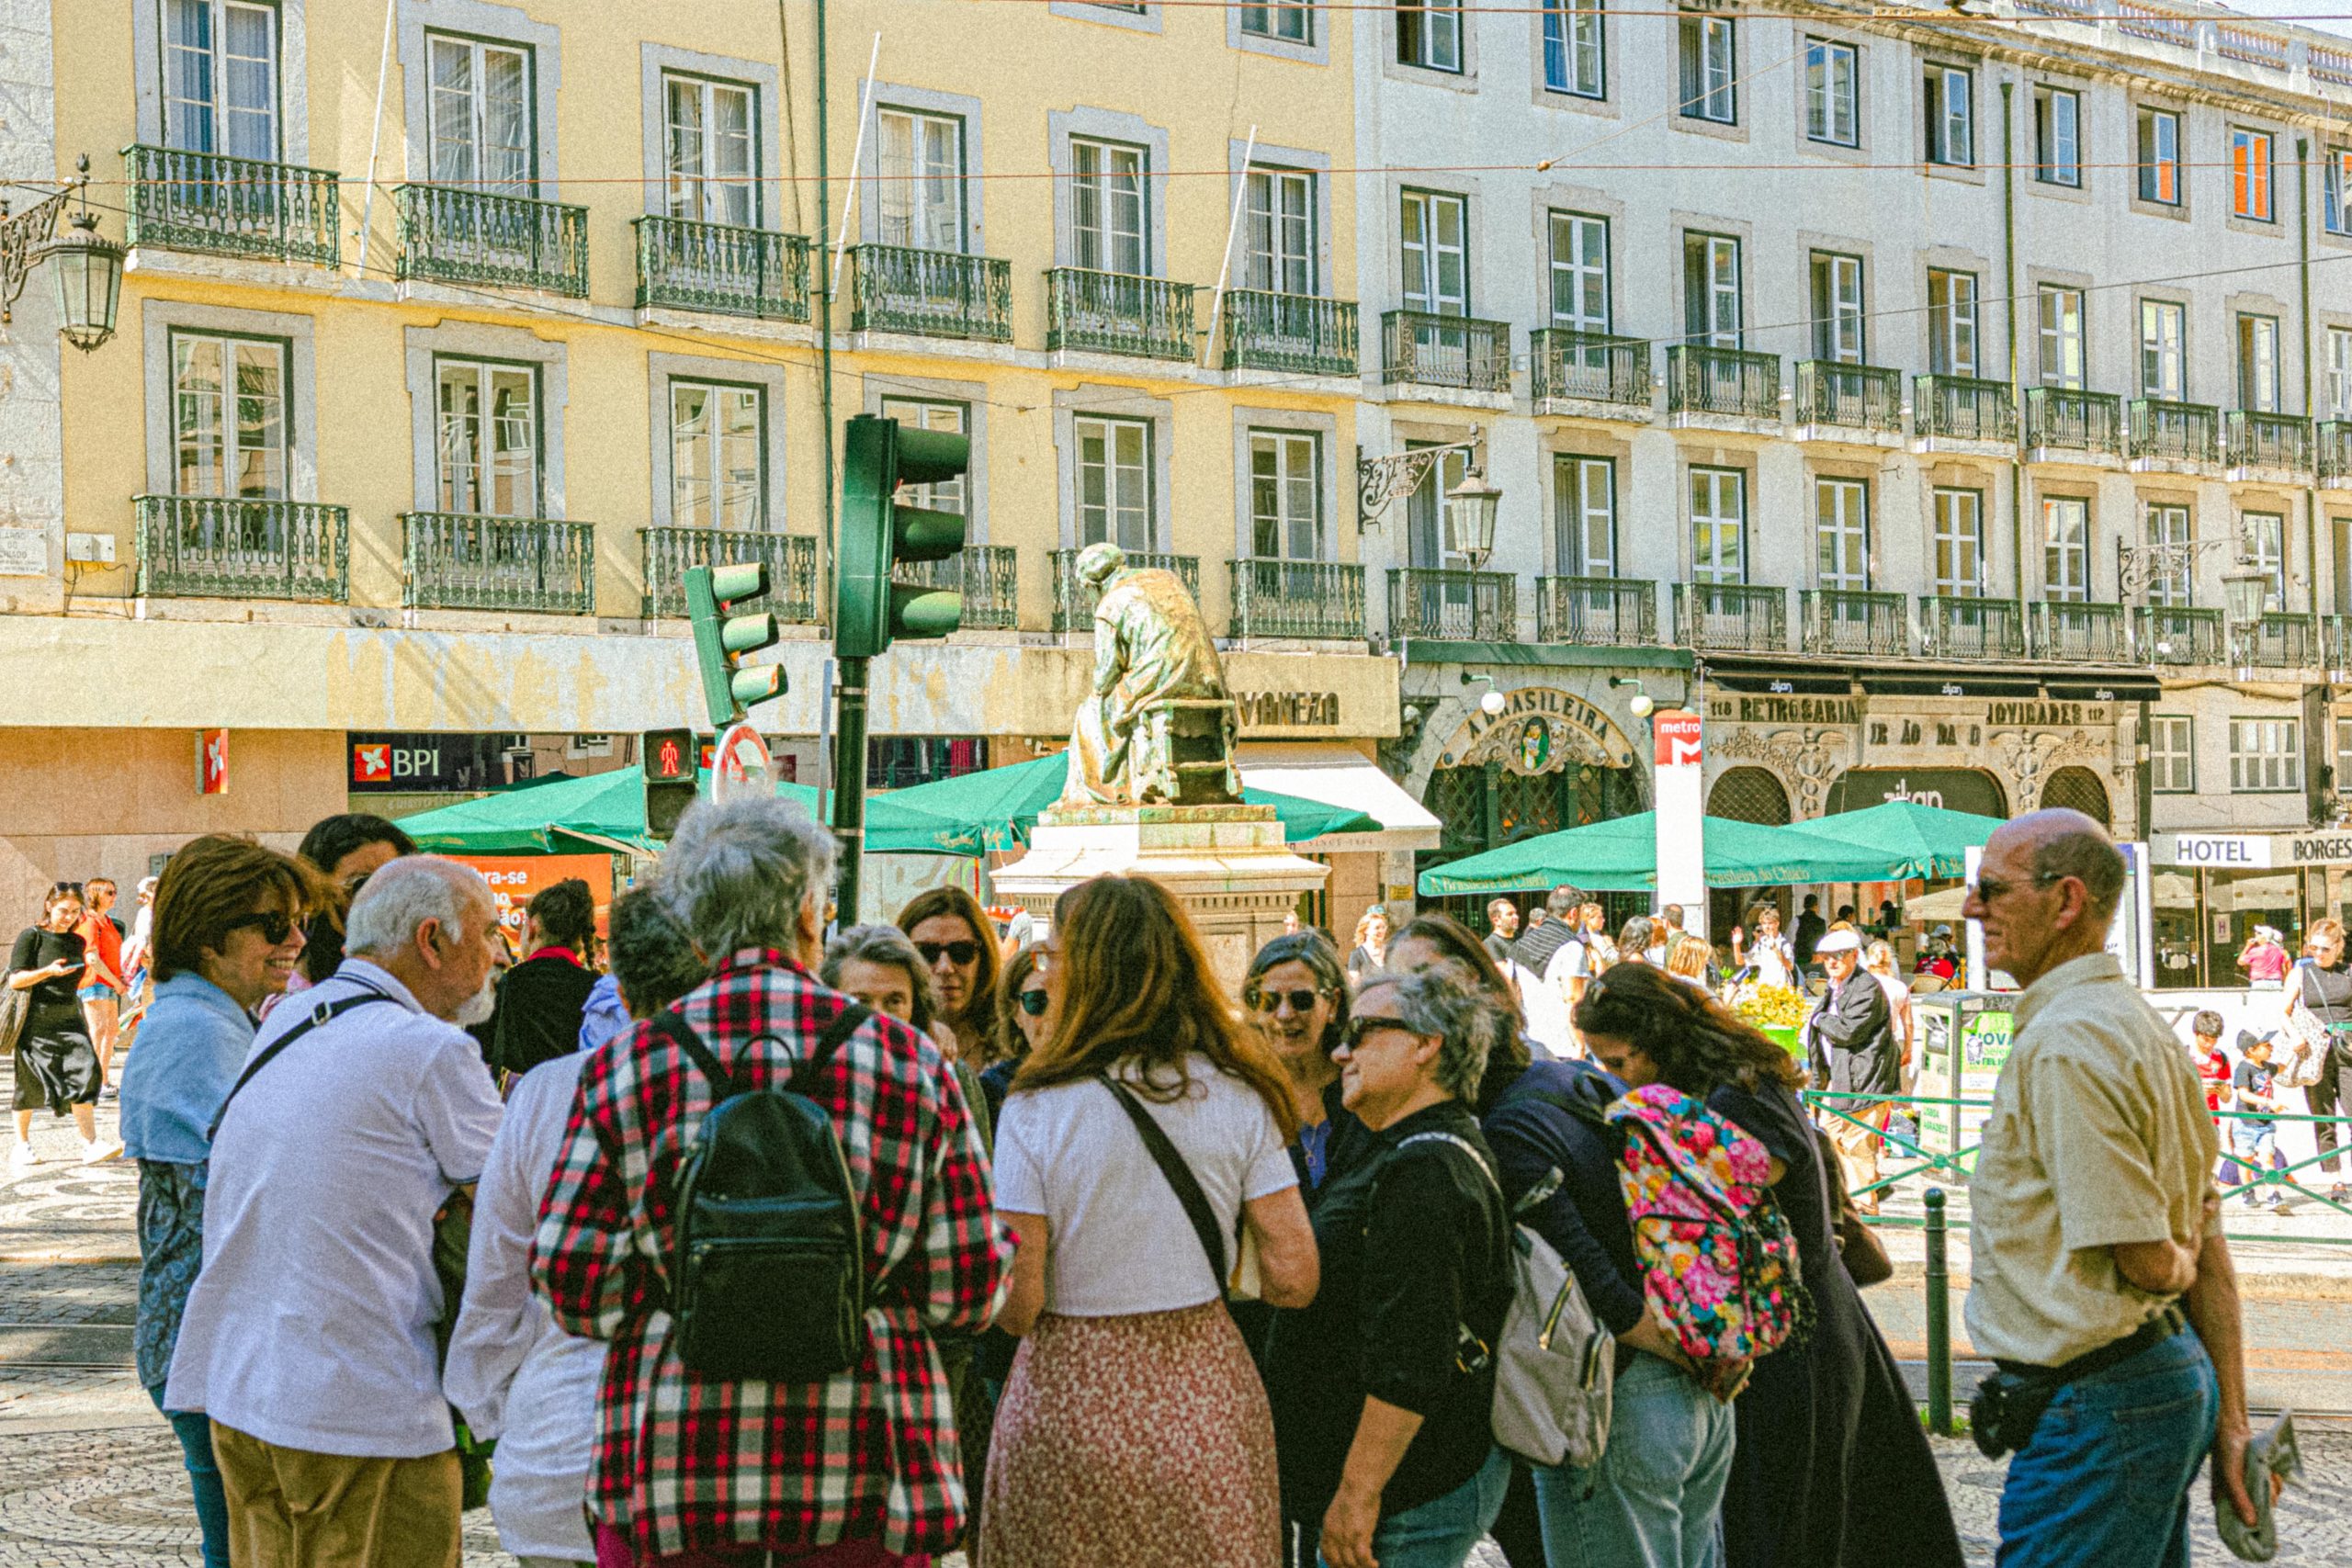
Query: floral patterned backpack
[1719,1262]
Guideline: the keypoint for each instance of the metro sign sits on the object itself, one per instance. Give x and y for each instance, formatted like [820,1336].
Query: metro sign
[1678,736]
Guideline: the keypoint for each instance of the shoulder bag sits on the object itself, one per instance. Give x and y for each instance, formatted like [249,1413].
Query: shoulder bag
[1188,1191]
[2305,1029]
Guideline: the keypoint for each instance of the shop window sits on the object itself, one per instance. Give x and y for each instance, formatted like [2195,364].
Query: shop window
[2078,789]
[1749,795]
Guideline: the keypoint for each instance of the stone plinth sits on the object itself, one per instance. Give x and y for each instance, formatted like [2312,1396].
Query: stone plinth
[1228,864]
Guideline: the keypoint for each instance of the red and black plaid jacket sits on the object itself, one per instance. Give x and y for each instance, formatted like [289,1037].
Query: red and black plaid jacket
[685,1462]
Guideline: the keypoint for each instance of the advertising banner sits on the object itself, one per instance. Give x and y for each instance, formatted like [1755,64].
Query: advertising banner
[514,880]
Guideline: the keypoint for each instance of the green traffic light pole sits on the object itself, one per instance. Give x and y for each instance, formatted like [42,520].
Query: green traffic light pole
[849,781]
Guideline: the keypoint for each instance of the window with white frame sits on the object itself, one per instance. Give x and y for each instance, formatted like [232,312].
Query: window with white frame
[2061,312]
[1584,514]
[2057,136]
[2258,364]
[1278,231]
[1959,544]
[2266,532]
[2266,756]
[2168,523]
[1830,88]
[2164,358]
[1573,58]
[2172,753]
[487,437]
[1428,34]
[1841,534]
[2250,172]
[2342,755]
[1286,494]
[1718,524]
[1432,231]
[1107,228]
[1711,314]
[1428,511]
[2159,156]
[1952,322]
[920,196]
[710,150]
[1837,316]
[2067,549]
[479,103]
[1290,24]
[1951,118]
[1708,69]
[1115,483]
[1579,272]
[2339,372]
[229,424]
[221,77]
[2336,180]
[717,455]
[924,413]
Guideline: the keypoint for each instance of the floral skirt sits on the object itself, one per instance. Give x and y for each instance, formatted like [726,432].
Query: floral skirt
[1133,1442]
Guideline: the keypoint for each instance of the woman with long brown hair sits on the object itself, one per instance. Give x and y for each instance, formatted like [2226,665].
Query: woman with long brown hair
[1133,1431]
[957,941]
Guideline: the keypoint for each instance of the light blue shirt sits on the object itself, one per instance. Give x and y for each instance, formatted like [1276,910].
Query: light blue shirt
[192,1044]
[604,1016]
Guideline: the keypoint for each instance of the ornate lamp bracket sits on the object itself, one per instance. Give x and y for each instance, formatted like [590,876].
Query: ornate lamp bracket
[23,234]
[1379,480]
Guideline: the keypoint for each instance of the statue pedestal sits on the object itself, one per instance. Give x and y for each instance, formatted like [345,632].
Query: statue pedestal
[1228,864]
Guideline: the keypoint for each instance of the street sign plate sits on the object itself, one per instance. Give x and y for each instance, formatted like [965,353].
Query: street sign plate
[741,770]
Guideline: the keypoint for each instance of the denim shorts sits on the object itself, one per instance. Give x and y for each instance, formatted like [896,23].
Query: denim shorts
[98,993]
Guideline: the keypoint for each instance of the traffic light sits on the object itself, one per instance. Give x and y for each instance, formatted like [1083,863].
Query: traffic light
[669,758]
[722,638]
[876,534]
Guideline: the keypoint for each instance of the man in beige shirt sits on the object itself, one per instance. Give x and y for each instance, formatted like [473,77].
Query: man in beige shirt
[2096,1234]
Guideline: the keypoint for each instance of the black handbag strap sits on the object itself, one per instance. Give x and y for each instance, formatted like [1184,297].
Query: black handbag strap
[321,1012]
[845,1023]
[1180,1177]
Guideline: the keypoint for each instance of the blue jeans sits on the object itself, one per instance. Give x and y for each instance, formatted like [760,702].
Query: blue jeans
[2256,1146]
[195,1433]
[2106,1478]
[1655,1499]
[1442,1532]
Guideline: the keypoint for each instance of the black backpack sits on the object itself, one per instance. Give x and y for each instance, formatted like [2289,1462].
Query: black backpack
[767,1278]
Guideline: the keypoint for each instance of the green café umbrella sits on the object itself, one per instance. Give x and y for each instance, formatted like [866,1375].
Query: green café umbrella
[1915,841]
[1621,855]
[572,816]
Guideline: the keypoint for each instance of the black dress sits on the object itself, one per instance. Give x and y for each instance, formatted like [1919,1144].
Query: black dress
[56,1068]
[1832,1468]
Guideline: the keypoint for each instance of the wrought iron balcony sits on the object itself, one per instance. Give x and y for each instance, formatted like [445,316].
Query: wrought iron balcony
[2335,641]
[1074,597]
[932,294]
[1731,616]
[231,207]
[1461,606]
[1422,350]
[2062,418]
[2254,440]
[203,547]
[1117,313]
[1298,598]
[456,560]
[1732,381]
[2068,631]
[1963,408]
[717,268]
[986,575]
[1301,333]
[791,560]
[2334,450]
[453,235]
[2173,431]
[2176,634]
[1853,622]
[1588,367]
[1952,627]
[1854,396]
[1610,612]
[2281,640]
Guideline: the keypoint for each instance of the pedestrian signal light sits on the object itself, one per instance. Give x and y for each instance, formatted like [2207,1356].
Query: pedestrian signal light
[669,762]
[878,534]
[723,637]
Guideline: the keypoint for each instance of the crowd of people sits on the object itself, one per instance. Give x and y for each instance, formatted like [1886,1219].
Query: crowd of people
[779,1244]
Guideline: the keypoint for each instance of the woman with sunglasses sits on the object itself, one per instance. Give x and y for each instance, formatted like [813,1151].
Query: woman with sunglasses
[957,942]
[345,849]
[57,1066]
[226,935]
[1021,1003]
[1298,997]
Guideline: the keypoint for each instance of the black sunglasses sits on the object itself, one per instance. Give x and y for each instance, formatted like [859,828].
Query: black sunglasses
[1033,1002]
[1353,1037]
[1300,1001]
[1989,889]
[274,925]
[959,953]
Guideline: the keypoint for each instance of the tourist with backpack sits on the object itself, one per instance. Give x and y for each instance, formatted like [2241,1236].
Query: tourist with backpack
[706,1220]
[1384,1386]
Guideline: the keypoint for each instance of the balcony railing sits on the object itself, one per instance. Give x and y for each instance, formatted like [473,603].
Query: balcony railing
[1963,408]
[718,267]
[2168,634]
[1700,379]
[1422,350]
[1460,606]
[2335,641]
[1301,333]
[1610,612]
[932,294]
[1117,312]
[476,236]
[2282,641]
[228,547]
[1074,597]
[1298,598]
[457,560]
[791,560]
[2074,632]
[1852,622]
[988,577]
[1588,367]
[1731,615]
[2254,440]
[1854,396]
[1971,628]
[231,207]
[2176,433]
[2064,420]
[2334,454]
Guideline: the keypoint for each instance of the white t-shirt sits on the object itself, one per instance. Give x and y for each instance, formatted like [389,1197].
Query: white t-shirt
[1546,1002]
[310,1324]
[1118,1241]
[1775,959]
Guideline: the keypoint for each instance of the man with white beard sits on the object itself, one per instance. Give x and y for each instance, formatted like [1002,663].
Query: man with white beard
[308,1336]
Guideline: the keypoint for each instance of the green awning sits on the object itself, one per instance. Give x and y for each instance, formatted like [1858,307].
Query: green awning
[581,816]
[1621,855]
[1915,841]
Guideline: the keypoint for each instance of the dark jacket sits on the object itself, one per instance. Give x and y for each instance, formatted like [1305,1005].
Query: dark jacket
[539,1006]
[1811,929]
[1532,1135]
[1849,1038]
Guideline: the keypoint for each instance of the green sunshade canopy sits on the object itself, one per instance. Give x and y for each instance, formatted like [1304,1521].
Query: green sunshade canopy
[582,816]
[1915,841]
[1621,855]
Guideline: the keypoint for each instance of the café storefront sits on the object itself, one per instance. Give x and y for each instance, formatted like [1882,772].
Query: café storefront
[2209,891]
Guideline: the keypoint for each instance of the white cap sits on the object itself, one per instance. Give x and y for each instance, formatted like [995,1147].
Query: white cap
[1837,941]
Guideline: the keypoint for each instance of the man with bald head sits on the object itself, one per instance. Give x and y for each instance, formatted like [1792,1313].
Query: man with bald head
[2101,1283]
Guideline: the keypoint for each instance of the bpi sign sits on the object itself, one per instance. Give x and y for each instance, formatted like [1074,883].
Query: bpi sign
[381,762]
[1678,740]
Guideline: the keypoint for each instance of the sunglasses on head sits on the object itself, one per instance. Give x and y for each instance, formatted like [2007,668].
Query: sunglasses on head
[1300,1001]
[959,953]
[274,925]
[1033,1002]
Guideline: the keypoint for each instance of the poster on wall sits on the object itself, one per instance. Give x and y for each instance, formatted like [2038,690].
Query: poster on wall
[515,880]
